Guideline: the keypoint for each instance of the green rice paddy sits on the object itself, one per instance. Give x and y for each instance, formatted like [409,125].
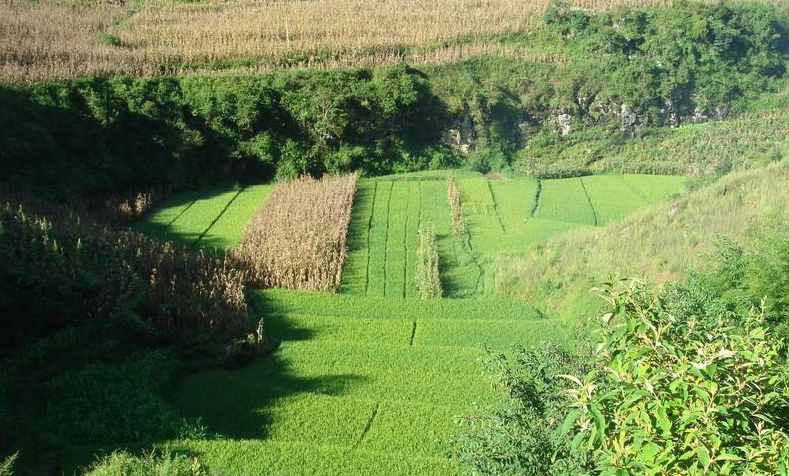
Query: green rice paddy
[370,380]
[211,218]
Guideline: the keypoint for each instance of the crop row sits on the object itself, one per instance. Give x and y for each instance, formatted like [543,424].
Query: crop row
[493,332]
[383,238]
[228,456]
[280,302]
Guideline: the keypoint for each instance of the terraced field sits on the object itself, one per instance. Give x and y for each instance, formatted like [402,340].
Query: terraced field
[503,217]
[212,218]
[360,385]
[368,381]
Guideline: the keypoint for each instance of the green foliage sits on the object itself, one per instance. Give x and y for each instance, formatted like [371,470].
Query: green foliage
[627,69]
[522,437]
[155,463]
[110,40]
[690,59]
[680,384]
[7,465]
[677,392]
[753,276]
[633,69]
[134,133]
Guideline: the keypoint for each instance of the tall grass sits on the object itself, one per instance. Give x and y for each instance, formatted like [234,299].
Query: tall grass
[7,465]
[57,39]
[177,290]
[297,239]
[428,282]
[455,209]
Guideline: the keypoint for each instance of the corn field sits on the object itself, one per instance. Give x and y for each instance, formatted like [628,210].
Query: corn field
[58,39]
[297,239]
[455,208]
[178,290]
[428,281]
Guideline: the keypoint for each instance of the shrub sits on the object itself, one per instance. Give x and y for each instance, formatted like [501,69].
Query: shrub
[680,385]
[682,393]
[521,437]
[111,40]
[753,274]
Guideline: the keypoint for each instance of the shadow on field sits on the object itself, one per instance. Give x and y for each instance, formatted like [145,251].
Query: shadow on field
[187,217]
[241,404]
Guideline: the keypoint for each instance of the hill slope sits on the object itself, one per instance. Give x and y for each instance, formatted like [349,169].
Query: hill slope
[660,242]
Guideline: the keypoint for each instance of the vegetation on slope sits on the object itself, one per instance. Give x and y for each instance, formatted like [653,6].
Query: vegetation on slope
[62,39]
[660,243]
[678,385]
[94,318]
[646,70]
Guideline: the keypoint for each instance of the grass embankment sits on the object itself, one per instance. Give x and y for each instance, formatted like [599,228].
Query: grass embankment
[660,242]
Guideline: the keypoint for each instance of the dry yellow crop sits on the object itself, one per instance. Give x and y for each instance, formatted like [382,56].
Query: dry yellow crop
[53,39]
[297,239]
[455,207]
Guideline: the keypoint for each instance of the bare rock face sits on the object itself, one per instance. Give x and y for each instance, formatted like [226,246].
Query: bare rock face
[670,113]
[523,131]
[699,116]
[462,136]
[562,122]
[628,119]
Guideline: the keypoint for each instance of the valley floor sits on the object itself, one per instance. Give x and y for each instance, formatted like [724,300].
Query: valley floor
[371,380]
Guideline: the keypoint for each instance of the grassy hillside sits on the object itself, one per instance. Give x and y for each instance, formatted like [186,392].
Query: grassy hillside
[366,381]
[627,74]
[659,243]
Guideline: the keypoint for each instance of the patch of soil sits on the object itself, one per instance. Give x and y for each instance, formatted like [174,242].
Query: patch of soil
[494,176]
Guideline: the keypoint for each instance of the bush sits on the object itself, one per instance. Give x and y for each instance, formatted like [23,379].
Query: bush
[752,275]
[682,393]
[521,437]
[94,135]
[681,384]
[111,40]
